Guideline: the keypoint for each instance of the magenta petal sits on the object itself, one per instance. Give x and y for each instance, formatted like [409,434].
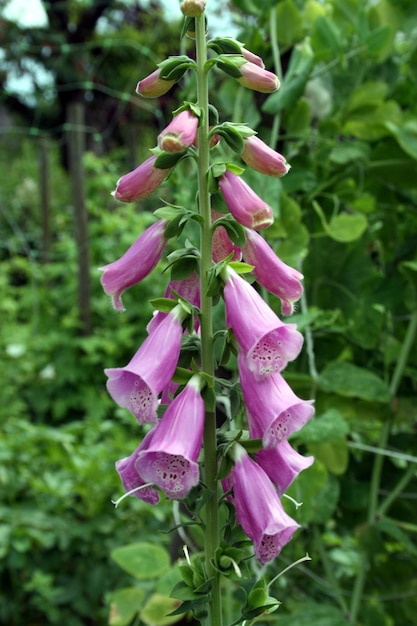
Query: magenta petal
[222,245]
[259,509]
[272,273]
[188,289]
[268,343]
[170,462]
[276,410]
[141,182]
[130,477]
[243,203]
[136,263]
[180,134]
[137,385]
[260,157]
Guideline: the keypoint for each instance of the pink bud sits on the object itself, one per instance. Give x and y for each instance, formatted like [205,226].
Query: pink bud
[192,8]
[252,58]
[243,203]
[180,133]
[141,182]
[262,158]
[258,79]
[222,245]
[153,86]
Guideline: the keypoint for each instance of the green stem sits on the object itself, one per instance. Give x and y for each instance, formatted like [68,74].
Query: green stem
[278,71]
[395,492]
[328,568]
[207,359]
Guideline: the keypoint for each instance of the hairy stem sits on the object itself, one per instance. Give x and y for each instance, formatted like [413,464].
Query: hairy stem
[207,359]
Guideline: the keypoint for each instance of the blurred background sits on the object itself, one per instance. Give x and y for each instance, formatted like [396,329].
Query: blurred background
[346,216]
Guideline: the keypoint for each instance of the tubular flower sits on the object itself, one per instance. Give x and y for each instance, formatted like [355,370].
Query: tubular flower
[188,288]
[153,85]
[258,79]
[260,157]
[272,273]
[222,245]
[141,182]
[274,410]
[259,509]
[282,463]
[243,203]
[170,461]
[137,385]
[136,263]
[180,134]
[266,342]
[130,477]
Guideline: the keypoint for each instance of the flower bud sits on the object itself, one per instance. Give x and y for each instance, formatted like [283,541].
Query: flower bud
[262,158]
[252,58]
[153,86]
[243,203]
[180,134]
[192,8]
[141,182]
[258,79]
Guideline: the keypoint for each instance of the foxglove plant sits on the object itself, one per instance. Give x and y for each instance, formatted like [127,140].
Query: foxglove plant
[171,381]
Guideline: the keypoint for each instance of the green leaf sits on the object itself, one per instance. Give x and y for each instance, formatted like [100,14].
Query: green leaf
[352,381]
[124,604]
[345,227]
[326,38]
[333,454]
[142,560]
[311,614]
[405,135]
[391,528]
[319,493]
[289,23]
[158,611]
[349,151]
[328,427]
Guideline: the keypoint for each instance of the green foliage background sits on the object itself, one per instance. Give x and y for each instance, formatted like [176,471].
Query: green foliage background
[346,119]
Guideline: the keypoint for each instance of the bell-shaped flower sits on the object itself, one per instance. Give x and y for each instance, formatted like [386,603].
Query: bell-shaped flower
[141,182]
[137,385]
[282,463]
[136,263]
[272,273]
[170,461]
[258,79]
[266,342]
[130,477]
[188,288]
[259,509]
[260,157]
[153,85]
[180,134]
[243,203]
[274,410]
[222,245]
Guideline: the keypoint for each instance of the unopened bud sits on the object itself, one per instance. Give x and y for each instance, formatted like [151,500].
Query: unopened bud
[192,8]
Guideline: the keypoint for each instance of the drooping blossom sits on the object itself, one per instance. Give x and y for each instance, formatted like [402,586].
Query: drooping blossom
[260,157]
[130,477]
[188,288]
[170,461]
[136,263]
[274,410]
[222,245]
[272,273]
[259,509]
[282,463]
[153,85]
[243,203]
[266,342]
[137,385]
[258,79]
[180,134]
[141,182]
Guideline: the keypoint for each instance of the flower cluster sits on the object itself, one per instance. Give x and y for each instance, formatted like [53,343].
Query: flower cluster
[168,458]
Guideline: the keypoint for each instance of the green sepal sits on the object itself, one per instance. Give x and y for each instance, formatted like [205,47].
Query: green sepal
[233,134]
[165,305]
[209,396]
[271,605]
[191,605]
[174,68]
[218,169]
[189,106]
[183,262]
[188,24]
[168,160]
[230,63]
[235,169]
[235,230]
[241,268]
[225,45]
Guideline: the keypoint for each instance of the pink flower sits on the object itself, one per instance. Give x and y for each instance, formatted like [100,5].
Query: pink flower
[170,461]
[137,385]
[153,86]
[188,289]
[136,263]
[141,182]
[282,463]
[274,410]
[259,509]
[180,134]
[243,203]
[257,78]
[272,273]
[222,245]
[260,157]
[267,343]
[130,477]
